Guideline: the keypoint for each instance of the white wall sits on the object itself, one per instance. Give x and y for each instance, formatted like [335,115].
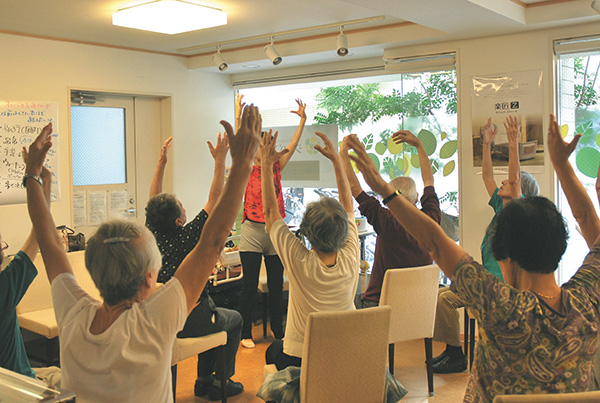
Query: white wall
[37,69]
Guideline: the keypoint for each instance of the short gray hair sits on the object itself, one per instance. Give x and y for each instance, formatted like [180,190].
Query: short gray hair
[118,257]
[406,185]
[325,225]
[529,186]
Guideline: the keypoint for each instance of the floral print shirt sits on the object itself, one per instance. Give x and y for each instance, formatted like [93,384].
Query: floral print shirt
[524,345]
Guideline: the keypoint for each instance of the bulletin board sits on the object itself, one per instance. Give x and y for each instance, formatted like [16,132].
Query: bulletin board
[20,123]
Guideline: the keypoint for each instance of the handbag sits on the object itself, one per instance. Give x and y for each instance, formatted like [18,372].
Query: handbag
[72,241]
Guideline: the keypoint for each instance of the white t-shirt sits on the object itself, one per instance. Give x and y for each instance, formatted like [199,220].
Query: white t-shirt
[131,360]
[314,287]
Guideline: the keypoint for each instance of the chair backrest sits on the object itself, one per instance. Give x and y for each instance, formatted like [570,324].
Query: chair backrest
[344,357]
[582,397]
[412,294]
[38,295]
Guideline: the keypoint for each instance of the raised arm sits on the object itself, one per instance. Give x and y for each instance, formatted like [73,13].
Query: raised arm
[487,169]
[405,136]
[269,156]
[53,253]
[159,174]
[199,263]
[581,205]
[332,155]
[219,153]
[444,250]
[513,132]
[296,139]
[239,107]
[355,187]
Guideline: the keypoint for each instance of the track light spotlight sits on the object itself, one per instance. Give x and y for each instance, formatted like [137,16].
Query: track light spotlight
[342,43]
[596,6]
[272,53]
[219,61]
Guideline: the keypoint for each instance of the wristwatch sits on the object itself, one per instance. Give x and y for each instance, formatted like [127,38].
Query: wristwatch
[36,177]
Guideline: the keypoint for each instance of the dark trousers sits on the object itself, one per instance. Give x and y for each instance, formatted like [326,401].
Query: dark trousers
[251,263]
[275,355]
[231,322]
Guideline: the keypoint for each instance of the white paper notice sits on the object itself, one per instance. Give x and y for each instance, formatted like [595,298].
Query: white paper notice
[97,207]
[79,209]
[117,202]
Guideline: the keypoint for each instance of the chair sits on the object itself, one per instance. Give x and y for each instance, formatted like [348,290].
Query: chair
[344,356]
[186,348]
[263,289]
[469,335]
[412,294]
[581,397]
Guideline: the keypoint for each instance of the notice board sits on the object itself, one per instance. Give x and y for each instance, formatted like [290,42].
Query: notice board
[20,123]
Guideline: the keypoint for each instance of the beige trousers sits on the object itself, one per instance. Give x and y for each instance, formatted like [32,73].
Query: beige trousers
[447,319]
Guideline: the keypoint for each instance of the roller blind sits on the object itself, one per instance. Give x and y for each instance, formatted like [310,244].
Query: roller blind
[580,46]
[418,64]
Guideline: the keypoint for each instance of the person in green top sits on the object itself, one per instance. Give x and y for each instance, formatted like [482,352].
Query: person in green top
[15,279]
[447,327]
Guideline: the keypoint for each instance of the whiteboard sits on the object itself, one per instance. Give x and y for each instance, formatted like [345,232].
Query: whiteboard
[20,123]
[307,168]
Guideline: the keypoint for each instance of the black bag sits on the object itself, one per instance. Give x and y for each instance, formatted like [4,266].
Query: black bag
[202,321]
[74,241]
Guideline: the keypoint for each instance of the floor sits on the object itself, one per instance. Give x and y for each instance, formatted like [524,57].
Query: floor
[409,370]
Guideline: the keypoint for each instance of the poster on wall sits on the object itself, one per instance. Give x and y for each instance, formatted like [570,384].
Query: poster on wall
[498,96]
[20,123]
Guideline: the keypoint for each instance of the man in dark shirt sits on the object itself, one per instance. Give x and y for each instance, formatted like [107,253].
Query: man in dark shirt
[166,218]
[395,247]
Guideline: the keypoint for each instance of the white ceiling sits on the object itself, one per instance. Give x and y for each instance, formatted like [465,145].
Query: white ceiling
[404,22]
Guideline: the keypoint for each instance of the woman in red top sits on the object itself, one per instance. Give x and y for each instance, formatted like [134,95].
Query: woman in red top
[255,242]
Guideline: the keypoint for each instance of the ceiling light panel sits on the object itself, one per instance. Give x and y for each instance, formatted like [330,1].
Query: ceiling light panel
[169,17]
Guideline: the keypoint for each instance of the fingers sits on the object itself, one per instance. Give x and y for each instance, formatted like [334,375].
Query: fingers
[167,143]
[324,137]
[25,154]
[211,148]
[228,128]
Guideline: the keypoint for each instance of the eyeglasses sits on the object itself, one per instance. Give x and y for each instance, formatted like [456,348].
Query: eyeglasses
[3,245]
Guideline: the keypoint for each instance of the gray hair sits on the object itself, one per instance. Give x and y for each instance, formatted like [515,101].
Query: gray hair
[529,186]
[406,185]
[118,257]
[325,225]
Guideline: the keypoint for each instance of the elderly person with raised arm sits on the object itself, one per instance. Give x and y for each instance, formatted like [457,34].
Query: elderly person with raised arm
[447,322]
[120,349]
[535,337]
[395,248]
[324,277]
[166,218]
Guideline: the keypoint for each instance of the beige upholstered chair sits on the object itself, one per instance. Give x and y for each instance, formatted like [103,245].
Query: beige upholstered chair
[344,356]
[582,397]
[412,294]
[186,348]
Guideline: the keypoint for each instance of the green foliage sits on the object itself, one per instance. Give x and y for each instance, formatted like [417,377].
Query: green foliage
[584,92]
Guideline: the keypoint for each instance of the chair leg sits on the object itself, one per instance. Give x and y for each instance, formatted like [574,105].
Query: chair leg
[222,358]
[174,381]
[472,341]
[429,359]
[265,314]
[50,350]
[466,332]
[391,358]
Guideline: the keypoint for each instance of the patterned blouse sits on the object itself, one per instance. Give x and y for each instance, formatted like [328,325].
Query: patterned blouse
[176,245]
[253,209]
[524,345]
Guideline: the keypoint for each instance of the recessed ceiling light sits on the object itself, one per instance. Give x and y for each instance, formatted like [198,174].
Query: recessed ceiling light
[250,66]
[169,17]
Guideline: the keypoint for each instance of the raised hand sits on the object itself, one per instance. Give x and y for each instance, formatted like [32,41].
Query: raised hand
[489,132]
[219,152]
[513,129]
[165,149]
[37,151]
[244,144]
[329,150]
[406,136]
[365,164]
[269,154]
[558,149]
[301,109]
[239,107]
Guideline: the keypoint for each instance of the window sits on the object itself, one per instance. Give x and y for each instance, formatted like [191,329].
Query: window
[579,112]
[374,108]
